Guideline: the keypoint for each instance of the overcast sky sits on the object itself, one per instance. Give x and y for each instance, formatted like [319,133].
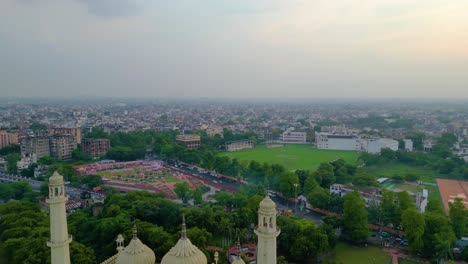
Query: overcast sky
[234,48]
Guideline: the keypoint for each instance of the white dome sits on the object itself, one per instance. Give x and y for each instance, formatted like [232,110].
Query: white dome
[56,179]
[136,252]
[267,204]
[238,261]
[184,252]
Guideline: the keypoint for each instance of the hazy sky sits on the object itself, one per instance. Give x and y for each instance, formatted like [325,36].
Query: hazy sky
[234,48]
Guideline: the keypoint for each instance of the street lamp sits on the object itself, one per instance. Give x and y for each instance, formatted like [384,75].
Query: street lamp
[295,196]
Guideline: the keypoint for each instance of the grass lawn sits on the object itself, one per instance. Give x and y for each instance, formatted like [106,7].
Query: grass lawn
[347,254]
[405,261]
[391,169]
[293,157]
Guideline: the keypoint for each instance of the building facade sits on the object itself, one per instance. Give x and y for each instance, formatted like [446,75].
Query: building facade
[35,146]
[376,145]
[239,145]
[294,137]
[8,138]
[76,132]
[62,146]
[338,142]
[96,147]
[190,141]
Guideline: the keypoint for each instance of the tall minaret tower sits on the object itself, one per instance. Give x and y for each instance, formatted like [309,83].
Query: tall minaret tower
[266,232]
[59,238]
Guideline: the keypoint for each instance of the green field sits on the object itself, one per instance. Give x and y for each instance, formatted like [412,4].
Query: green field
[348,254]
[391,169]
[293,157]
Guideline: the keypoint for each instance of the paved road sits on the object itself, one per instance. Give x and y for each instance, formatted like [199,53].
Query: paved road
[282,204]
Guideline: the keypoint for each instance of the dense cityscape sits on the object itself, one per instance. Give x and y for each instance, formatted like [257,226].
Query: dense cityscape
[404,162]
[233,132]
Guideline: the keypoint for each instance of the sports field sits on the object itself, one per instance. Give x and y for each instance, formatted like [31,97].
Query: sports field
[293,157]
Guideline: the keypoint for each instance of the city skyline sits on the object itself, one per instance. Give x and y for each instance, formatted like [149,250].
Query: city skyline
[234,49]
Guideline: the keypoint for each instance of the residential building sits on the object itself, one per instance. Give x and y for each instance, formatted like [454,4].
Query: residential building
[7,138]
[373,195]
[337,142]
[377,144]
[36,146]
[293,137]
[62,146]
[191,141]
[76,132]
[408,144]
[96,147]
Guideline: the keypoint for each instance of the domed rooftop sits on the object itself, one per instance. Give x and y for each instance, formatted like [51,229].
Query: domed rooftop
[184,252]
[238,260]
[56,179]
[267,204]
[136,252]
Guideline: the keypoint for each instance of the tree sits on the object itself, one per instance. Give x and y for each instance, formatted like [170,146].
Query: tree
[289,184]
[355,218]
[387,206]
[458,217]
[12,148]
[197,197]
[12,159]
[364,179]
[182,190]
[413,224]
[38,126]
[438,233]
[404,202]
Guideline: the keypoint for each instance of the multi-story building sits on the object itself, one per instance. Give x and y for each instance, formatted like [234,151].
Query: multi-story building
[337,142]
[7,138]
[294,137]
[62,146]
[373,195]
[376,145]
[76,132]
[96,147]
[35,146]
[191,141]
[239,145]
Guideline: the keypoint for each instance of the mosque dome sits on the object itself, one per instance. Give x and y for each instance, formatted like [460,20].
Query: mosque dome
[267,204]
[238,261]
[136,253]
[184,252]
[56,179]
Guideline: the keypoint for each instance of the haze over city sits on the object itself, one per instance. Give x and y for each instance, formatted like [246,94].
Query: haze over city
[234,49]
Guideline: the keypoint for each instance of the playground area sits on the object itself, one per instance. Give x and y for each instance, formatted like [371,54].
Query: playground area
[152,176]
[293,156]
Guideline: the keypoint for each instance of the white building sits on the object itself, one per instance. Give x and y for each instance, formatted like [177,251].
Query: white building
[294,137]
[376,145]
[408,144]
[337,142]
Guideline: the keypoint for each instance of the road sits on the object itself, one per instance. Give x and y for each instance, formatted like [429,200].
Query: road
[282,204]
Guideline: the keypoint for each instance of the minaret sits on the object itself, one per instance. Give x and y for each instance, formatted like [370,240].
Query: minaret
[59,238]
[266,232]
